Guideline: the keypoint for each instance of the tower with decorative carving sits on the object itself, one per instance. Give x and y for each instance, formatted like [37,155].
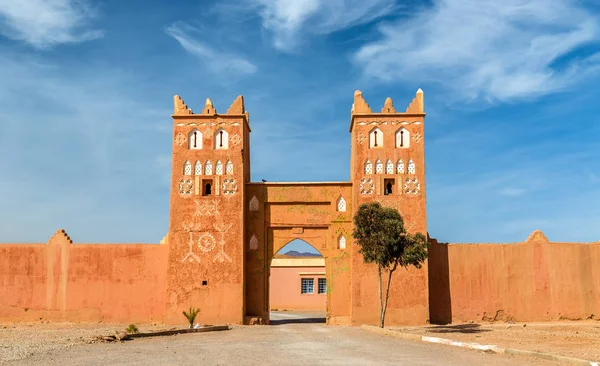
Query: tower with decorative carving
[210,167]
[388,165]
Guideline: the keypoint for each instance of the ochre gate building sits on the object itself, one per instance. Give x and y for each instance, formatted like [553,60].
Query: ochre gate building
[224,229]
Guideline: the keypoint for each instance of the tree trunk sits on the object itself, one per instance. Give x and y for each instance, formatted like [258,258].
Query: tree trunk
[387,293]
[381,311]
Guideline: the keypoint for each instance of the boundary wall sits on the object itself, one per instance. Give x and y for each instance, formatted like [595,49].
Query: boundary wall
[62,281]
[535,280]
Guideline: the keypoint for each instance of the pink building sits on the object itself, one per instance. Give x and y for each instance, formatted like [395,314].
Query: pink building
[298,283]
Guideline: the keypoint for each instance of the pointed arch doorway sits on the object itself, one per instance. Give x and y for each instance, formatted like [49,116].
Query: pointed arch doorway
[297,285]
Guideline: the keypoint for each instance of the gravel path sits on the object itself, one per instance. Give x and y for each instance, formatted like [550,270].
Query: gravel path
[287,343]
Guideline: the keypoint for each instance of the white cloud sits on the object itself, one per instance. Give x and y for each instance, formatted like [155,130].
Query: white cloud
[497,50]
[289,20]
[45,23]
[217,61]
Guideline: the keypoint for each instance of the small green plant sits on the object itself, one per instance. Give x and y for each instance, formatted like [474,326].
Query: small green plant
[132,329]
[191,315]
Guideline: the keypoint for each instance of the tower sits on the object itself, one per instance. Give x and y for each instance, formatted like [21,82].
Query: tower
[388,165]
[210,166]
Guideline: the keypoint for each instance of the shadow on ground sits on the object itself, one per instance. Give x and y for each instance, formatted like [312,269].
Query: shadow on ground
[459,328]
[297,321]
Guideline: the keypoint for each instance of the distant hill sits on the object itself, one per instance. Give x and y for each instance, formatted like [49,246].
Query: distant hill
[293,253]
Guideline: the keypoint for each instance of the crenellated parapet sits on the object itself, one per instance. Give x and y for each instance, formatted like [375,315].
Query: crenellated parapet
[417,105]
[179,106]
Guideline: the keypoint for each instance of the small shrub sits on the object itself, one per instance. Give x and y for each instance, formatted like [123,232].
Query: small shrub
[191,315]
[132,329]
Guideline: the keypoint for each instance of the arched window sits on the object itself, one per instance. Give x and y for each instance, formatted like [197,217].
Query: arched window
[229,167]
[402,138]
[207,189]
[400,167]
[187,168]
[221,139]
[218,168]
[411,167]
[368,167]
[341,242]
[389,167]
[378,167]
[388,188]
[341,204]
[208,168]
[375,138]
[195,140]
[253,243]
[253,205]
[198,168]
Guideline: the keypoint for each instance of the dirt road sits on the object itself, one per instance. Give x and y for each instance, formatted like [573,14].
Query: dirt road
[289,342]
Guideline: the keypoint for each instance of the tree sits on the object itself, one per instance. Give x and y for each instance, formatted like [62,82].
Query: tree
[383,240]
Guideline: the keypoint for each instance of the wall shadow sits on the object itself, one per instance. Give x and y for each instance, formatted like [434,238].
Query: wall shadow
[440,303]
[460,328]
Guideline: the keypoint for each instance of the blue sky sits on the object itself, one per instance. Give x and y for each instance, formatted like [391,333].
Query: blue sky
[511,92]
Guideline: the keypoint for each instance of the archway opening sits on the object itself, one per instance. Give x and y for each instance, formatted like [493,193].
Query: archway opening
[297,285]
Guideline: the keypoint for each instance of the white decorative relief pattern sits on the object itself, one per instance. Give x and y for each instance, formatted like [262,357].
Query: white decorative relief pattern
[187,168]
[208,168]
[206,208]
[198,168]
[229,167]
[186,187]
[411,186]
[219,168]
[366,186]
[222,256]
[229,186]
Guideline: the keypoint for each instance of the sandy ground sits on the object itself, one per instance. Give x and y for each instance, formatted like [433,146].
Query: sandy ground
[292,341]
[579,339]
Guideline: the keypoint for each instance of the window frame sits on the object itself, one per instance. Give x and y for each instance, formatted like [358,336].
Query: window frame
[311,286]
[322,281]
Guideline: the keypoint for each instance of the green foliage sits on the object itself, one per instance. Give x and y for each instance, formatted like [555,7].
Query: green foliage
[132,329]
[383,240]
[191,315]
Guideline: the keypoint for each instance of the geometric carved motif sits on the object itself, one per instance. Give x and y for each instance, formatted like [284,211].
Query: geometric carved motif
[222,256]
[417,137]
[229,167]
[236,139]
[229,186]
[411,186]
[253,205]
[180,139]
[361,138]
[206,208]
[186,187]
[206,242]
[366,186]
